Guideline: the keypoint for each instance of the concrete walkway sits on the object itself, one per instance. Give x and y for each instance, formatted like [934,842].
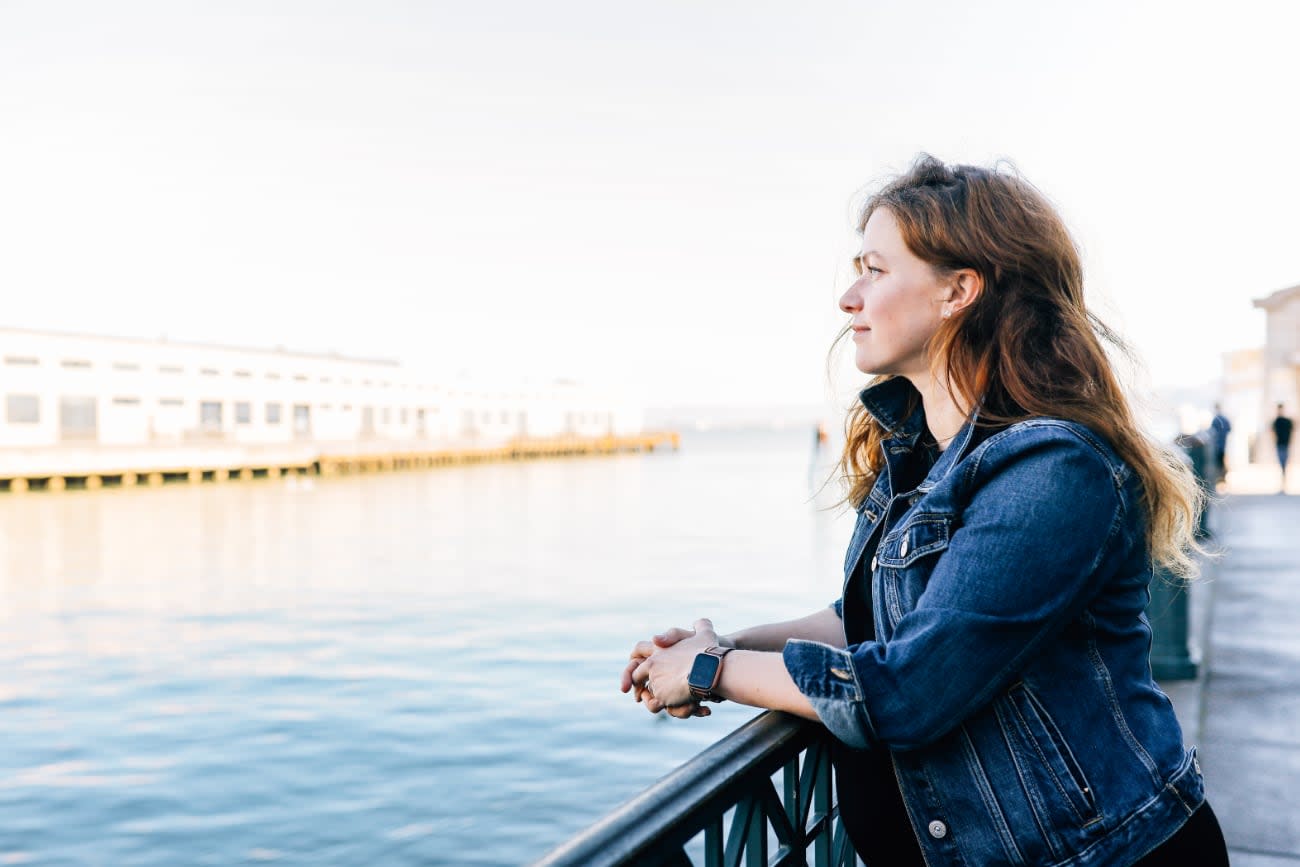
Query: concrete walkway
[1244,710]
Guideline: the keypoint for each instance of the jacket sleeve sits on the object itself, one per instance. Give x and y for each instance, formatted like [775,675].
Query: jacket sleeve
[1024,558]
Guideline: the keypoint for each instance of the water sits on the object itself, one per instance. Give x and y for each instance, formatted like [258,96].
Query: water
[404,668]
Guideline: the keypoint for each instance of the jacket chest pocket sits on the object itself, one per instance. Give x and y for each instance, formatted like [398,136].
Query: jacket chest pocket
[905,559]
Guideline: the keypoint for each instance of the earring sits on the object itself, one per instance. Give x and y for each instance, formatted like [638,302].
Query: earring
[947,313]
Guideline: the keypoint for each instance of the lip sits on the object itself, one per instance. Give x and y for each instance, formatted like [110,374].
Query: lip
[859,330]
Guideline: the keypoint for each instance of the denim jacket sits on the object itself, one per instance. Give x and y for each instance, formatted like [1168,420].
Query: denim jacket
[1009,673]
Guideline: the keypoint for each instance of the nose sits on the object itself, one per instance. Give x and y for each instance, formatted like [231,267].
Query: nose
[851,300]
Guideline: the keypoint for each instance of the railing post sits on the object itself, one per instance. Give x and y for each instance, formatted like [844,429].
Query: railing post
[823,851]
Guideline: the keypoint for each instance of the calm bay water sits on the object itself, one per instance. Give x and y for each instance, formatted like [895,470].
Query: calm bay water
[405,668]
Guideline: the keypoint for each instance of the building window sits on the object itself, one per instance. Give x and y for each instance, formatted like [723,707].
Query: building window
[22,409]
[301,420]
[209,371]
[326,380]
[300,377]
[273,413]
[404,415]
[22,360]
[170,368]
[273,376]
[126,366]
[75,364]
[171,401]
[126,401]
[78,418]
[243,374]
[243,412]
[386,415]
[210,415]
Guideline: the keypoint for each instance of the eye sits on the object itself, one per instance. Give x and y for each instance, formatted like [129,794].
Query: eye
[873,271]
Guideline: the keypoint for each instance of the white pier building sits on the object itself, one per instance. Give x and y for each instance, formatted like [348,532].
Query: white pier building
[75,403]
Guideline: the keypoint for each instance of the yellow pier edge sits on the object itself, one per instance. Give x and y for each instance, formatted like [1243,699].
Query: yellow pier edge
[328,464]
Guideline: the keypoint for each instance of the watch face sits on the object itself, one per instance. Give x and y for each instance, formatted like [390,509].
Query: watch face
[704,671]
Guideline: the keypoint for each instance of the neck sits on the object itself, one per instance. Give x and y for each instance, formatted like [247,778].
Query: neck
[943,415]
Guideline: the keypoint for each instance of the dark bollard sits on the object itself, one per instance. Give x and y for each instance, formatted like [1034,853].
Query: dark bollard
[1167,611]
[1197,449]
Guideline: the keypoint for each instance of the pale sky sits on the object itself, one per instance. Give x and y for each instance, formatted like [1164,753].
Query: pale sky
[653,195]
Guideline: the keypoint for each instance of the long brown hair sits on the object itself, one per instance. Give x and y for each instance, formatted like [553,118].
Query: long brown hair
[1027,346]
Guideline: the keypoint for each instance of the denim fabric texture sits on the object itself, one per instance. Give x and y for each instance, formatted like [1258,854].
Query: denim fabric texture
[1009,675]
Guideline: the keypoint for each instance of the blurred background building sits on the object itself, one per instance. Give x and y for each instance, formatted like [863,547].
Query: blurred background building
[69,397]
[1256,380]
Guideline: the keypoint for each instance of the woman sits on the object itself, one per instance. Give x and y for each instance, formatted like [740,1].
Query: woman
[985,672]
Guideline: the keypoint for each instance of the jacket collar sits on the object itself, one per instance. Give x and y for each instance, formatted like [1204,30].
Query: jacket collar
[889,402]
[896,405]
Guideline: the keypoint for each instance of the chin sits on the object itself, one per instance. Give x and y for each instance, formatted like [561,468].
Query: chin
[871,366]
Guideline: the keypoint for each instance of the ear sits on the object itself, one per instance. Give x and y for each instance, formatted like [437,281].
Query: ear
[966,288]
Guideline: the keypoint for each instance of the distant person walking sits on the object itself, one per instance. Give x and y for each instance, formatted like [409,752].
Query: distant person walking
[1220,427]
[1282,430]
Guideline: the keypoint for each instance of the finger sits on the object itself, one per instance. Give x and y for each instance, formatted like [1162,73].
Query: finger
[669,637]
[653,704]
[704,624]
[640,679]
[642,649]
[682,711]
[625,682]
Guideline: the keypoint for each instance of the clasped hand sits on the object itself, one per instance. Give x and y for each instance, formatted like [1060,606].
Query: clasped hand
[657,670]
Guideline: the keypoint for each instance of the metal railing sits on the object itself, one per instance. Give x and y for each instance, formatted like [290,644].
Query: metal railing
[659,825]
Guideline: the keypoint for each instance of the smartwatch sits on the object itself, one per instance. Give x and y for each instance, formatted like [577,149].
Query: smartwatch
[706,672]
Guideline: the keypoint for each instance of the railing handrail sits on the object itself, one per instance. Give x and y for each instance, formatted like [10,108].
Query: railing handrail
[676,808]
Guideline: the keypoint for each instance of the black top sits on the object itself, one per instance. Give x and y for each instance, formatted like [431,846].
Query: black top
[1282,427]
[871,805]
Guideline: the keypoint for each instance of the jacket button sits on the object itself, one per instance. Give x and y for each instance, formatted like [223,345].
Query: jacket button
[938,830]
[873,564]
[841,674]
[902,552]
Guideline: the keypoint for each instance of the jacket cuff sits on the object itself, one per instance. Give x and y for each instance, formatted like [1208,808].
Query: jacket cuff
[838,605]
[827,678]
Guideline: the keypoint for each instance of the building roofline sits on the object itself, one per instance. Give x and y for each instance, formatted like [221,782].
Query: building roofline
[1278,298]
[278,351]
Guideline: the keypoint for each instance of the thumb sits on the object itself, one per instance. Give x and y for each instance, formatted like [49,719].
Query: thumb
[704,624]
[669,637]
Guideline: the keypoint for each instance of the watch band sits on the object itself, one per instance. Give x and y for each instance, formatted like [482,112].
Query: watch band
[701,693]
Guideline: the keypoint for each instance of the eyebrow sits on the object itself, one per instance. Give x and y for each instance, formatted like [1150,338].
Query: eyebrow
[859,260]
